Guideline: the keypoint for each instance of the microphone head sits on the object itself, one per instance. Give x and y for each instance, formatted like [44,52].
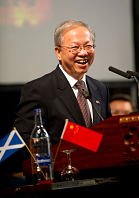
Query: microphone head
[119,72]
[85,93]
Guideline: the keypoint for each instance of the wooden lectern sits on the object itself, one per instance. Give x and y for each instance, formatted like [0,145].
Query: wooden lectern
[119,146]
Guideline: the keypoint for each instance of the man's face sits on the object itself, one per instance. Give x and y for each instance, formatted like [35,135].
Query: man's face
[120,107]
[76,64]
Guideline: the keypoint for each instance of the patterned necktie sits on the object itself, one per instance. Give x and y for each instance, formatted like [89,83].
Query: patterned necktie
[80,85]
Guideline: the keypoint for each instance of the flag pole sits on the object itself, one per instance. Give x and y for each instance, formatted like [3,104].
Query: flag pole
[57,150]
[59,144]
[31,154]
[36,162]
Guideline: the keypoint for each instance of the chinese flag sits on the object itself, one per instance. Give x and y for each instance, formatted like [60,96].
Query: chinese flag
[81,136]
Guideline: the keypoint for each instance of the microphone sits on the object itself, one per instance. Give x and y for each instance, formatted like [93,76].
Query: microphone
[121,73]
[87,96]
[129,75]
[133,73]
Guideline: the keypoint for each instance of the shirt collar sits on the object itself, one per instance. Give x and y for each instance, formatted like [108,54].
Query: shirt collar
[72,81]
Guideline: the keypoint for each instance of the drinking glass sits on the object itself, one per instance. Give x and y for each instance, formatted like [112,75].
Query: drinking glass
[69,173]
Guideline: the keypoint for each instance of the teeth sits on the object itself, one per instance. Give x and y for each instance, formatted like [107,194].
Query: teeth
[82,61]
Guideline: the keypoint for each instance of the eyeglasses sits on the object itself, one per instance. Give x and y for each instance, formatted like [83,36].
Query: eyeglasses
[77,49]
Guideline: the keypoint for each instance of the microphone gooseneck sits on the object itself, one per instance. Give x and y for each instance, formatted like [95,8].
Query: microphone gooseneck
[121,73]
[87,96]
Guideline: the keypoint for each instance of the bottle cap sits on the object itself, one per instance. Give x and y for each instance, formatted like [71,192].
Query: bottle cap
[37,110]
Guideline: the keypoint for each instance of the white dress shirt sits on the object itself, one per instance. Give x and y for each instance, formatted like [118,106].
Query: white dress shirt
[72,81]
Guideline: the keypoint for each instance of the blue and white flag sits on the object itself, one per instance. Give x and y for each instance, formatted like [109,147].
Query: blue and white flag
[9,144]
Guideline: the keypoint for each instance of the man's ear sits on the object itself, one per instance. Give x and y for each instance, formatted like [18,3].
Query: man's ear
[57,52]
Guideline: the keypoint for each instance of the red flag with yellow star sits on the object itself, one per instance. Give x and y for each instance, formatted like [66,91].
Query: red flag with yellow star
[81,136]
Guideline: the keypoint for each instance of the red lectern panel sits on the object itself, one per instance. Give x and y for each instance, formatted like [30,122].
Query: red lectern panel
[119,146]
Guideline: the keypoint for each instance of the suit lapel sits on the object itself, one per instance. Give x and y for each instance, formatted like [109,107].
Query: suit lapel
[94,93]
[67,96]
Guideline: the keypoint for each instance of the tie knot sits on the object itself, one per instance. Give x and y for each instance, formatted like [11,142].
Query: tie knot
[80,84]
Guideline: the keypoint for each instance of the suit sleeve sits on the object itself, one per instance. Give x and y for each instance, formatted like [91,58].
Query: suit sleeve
[30,100]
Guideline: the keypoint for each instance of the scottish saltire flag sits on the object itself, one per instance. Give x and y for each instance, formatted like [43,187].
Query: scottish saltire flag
[9,144]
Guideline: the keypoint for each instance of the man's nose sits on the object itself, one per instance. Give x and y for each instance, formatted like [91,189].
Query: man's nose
[82,51]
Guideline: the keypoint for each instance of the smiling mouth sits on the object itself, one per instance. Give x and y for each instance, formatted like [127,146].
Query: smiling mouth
[82,62]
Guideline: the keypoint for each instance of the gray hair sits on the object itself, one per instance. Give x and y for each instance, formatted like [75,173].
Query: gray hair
[65,25]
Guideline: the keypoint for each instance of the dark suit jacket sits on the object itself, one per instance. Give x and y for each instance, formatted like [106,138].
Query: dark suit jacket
[54,95]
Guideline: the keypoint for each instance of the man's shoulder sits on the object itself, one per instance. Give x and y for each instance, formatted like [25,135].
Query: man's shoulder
[43,79]
[46,82]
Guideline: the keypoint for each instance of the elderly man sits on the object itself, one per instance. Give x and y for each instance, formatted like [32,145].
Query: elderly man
[58,93]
